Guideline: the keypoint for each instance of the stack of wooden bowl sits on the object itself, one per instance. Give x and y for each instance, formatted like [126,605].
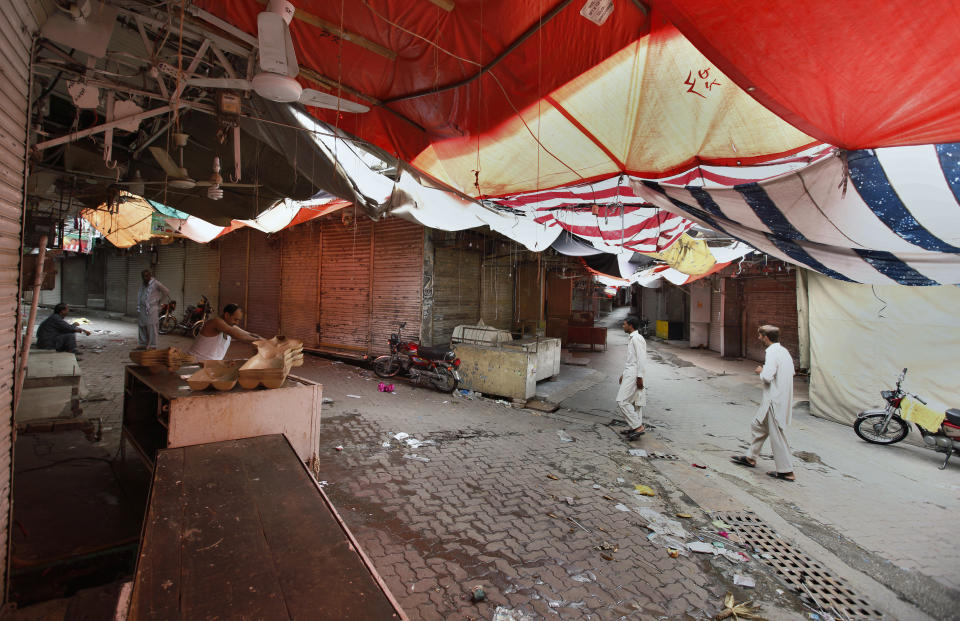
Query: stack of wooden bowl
[160,360]
[220,374]
[270,367]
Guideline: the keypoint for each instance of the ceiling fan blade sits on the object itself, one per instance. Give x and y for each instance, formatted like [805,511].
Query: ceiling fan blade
[166,162]
[272,38]
[231,83]
[239,185]
[310,97]
[292,67]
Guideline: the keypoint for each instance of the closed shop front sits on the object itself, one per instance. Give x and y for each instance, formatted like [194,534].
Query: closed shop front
[169,270]
[346,273]
[770,300]
[233,269]
[116,282]
[496,304]
[202,274]
[716,319]
[52,297]
[371,278]
[136,263]
[397,280]
[263,284]
[74,280]
[17,26]
[456,290]
[300,274]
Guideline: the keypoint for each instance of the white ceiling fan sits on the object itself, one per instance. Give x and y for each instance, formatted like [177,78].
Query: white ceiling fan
[178,178]
[278,66]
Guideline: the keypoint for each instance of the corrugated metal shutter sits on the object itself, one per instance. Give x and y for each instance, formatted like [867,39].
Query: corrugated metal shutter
[202,274]
[716,320]
[74,281]
[300,276]
[770,300]
[345,275]
[456,297]
[496,307]
[233,269]
[116,285]
[169,270]
[136,263]
[17,26]
[397,280]
[263,277]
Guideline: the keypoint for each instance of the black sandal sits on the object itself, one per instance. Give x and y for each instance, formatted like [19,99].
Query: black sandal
[743,461]
[783,476]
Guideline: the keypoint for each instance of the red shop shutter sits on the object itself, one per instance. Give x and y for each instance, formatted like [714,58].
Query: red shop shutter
[397,280]
[300,273]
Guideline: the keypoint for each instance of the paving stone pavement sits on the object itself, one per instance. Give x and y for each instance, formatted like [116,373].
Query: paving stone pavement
[484,509]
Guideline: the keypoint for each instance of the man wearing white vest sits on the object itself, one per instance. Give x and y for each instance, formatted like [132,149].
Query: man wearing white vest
[776,406]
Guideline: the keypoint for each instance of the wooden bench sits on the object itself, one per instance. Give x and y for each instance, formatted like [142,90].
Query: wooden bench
[239,530]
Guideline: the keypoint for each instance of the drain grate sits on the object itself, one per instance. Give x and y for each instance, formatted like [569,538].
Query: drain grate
[801,573]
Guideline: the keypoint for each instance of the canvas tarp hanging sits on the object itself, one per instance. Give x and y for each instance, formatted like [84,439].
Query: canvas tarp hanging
[888,216]
[861,336]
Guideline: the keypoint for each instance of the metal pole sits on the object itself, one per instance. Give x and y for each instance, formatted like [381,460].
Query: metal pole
[25,349]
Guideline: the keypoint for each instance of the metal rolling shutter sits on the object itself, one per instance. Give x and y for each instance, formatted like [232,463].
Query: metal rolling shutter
[233,269]
[397,280]
[456,283]
[300,274]
[74,281]
[345,275]
[116,285]
[498,286]
[202,274]
[17,25]
[136,263]
[770,300]
[263,278]
[169,271]
[716,320]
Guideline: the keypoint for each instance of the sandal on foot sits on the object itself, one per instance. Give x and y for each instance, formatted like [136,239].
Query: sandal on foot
[783,476]
[743,461]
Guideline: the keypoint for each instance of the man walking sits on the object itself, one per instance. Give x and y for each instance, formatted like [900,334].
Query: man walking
[152,292]
[632,397]
[56,333]
[776,406]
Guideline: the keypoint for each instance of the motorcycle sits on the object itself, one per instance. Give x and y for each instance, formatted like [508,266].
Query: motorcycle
[436,366]
[886,426]
[193,318]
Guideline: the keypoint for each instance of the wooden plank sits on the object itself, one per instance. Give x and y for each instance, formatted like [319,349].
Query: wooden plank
[156,588]
[320,574]
[227,569]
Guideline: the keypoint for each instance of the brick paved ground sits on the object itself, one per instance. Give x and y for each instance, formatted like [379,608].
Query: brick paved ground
[479,511]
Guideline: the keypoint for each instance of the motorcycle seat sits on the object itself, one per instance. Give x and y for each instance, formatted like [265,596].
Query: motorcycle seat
[435,353]
[953,416]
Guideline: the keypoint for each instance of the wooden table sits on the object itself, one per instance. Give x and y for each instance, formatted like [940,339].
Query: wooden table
[239,530]
[160,411]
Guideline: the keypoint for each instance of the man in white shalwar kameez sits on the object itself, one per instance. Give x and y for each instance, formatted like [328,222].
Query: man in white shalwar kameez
[631,397]
[776,406]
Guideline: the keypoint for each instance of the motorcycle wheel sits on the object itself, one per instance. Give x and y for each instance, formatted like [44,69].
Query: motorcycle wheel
[446,382]
[195,330]
[386,366]
[868,428]
[167,324]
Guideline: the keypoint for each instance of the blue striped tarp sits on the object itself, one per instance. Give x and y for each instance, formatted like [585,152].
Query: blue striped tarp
[884,216]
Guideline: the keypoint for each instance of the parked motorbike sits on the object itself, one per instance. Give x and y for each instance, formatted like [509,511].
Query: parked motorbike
[436,366]
[887,427]
[193,318]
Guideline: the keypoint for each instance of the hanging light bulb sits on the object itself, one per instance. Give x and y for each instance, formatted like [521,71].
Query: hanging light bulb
[215,192]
